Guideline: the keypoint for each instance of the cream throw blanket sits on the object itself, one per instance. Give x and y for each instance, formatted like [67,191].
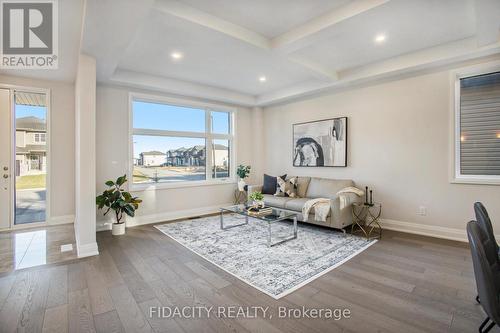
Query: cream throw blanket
[321,209]
[345,198]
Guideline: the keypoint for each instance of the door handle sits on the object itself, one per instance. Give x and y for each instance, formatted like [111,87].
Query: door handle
[5,168]
[5,175]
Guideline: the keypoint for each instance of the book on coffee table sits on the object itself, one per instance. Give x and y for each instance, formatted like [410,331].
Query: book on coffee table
[263,211]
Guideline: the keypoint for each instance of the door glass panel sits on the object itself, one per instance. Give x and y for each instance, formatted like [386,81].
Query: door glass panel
[31,157]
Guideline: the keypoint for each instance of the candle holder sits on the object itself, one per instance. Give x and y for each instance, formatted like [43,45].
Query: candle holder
[366,196]
[368,203]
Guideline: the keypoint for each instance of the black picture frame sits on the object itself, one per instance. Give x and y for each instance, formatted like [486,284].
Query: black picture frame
[311,142]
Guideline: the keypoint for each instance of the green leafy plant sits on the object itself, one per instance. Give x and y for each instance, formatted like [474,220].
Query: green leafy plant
[117,199]
[256,196]
[243,171]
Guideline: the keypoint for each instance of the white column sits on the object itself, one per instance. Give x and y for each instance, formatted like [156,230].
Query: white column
[85,157]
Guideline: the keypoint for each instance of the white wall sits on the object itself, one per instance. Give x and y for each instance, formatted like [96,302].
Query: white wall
[62,149]
[85,153]
[162,204]
[399,137]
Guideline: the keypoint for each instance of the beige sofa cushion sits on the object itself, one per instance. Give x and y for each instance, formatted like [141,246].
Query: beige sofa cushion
[326,188]
[274,201]
[297,204]
[302,185]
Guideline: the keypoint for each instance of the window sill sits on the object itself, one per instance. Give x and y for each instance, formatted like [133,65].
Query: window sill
[166,186]
[475,181]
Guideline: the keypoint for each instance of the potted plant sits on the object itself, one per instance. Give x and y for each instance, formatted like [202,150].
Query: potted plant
[257,199]
[243,171]
[117,199]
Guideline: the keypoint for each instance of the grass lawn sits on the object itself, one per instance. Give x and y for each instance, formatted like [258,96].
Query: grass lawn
[31,181]
[139,177]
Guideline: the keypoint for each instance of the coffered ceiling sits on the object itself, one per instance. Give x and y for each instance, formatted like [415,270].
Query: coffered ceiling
[260,52]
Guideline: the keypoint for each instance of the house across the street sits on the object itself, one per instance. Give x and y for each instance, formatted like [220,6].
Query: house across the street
[196,156]
[31,152]
[152,158]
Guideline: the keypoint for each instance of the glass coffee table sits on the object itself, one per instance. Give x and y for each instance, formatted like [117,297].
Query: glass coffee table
[276,215]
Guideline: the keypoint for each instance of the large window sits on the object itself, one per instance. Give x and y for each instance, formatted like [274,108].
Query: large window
[477,157]
[174,143]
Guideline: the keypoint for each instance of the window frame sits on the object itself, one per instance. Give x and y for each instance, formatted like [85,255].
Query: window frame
[456,175]
[207,135]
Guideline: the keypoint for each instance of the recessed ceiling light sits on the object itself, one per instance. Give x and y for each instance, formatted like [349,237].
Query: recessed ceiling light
[176,55]
[262,79]
[380,38]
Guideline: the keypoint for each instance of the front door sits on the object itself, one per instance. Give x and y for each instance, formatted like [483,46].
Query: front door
[23,157]
[5,159]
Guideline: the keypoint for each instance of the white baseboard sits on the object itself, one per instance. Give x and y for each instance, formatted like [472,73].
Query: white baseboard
[63,219]
[105,224]
[425,230]
[87,250]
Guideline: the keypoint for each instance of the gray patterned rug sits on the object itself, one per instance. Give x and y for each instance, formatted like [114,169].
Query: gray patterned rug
[277,271]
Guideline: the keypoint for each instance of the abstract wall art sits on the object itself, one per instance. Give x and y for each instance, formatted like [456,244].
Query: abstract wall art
[321,143]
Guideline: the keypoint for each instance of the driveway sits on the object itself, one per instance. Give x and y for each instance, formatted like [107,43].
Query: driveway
[30,206]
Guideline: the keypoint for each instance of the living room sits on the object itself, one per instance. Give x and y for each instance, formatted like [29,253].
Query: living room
[250,166]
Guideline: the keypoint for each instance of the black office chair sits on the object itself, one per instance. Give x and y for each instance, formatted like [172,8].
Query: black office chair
[486,272]
[483,219]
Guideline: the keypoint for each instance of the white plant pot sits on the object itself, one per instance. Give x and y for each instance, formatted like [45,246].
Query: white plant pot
[118,229]
[241,185]
[258,203]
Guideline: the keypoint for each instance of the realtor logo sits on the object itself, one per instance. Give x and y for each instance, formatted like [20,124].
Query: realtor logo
[29,34]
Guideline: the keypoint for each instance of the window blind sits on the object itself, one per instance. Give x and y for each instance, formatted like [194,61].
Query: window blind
[480,125]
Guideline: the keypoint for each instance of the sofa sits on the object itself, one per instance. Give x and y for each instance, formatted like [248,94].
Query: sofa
[313,187]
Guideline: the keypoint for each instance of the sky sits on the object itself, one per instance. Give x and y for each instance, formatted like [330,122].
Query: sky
[174,118]
[27,111]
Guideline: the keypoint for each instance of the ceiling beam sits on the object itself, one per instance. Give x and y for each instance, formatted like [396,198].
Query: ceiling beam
[194,15]
[487,21]
[318,71]
[181,88]
[300,36]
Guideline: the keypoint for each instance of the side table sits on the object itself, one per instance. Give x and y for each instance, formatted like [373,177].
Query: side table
[366,218]
[240,197]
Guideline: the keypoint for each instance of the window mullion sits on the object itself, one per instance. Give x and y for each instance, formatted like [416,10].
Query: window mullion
[208,144]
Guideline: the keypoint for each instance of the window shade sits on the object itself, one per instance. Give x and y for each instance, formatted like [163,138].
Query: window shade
[480,125]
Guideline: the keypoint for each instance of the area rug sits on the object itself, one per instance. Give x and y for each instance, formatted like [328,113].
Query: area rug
[277,271]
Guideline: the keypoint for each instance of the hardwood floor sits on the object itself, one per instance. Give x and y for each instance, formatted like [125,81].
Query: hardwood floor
[404,283]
